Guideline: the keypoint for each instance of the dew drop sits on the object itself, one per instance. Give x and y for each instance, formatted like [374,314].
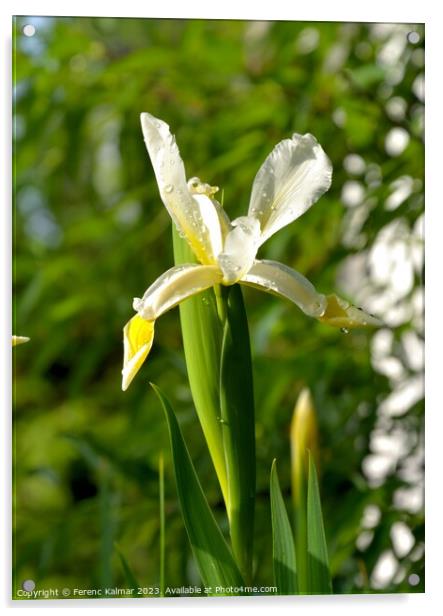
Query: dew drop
[169,188]
[137,303]
[344,330]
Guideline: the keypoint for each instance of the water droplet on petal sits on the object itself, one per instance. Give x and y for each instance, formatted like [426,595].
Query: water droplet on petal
[169,188]
[137,303]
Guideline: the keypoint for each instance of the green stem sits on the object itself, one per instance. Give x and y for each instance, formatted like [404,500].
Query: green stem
[202,340]
[221,296]
[238,428]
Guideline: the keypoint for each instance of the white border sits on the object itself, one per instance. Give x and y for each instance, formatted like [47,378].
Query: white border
[319,10]
[335,10]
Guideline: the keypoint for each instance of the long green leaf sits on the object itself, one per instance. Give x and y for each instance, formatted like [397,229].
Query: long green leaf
[130,579]
[108,522]
[161,489]
[202,341]
[212,554]
[283,549]
[301,532]
[319,578]
[238,428]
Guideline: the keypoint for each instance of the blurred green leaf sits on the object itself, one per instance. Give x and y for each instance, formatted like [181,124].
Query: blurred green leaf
[129,576]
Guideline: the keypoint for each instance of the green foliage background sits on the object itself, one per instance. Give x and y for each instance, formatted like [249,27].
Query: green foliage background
[90,233]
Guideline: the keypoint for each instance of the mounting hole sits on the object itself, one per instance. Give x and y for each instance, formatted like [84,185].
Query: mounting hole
[413,37]
[28,585]
[29,30]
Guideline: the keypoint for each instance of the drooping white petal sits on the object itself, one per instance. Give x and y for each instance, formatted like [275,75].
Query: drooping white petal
[240,248]
[184,209]
[292,178]
[174,286]
[278,279]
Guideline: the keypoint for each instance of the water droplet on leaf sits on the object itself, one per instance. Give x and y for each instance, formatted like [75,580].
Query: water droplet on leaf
[344,330]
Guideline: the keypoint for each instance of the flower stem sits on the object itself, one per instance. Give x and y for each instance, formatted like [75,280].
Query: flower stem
[221,296]
[238,428]
[202,333]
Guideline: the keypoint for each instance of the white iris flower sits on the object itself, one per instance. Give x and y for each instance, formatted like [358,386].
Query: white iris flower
[294,175]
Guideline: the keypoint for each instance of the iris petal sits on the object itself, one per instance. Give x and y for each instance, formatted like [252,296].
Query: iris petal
[175,285]
[190,218]
[240,248]
[281,280]
[292,178]
[138,335]
[340,313]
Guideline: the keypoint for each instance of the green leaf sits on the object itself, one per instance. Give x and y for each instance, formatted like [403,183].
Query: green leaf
[283,549]
[238,428]
[129,576]
[319,578]
[212,554]
[108,525]
[161,489]
[202,341]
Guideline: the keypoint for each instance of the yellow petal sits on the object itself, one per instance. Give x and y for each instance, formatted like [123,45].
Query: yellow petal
[340,313]
[19,340]
[138,336]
